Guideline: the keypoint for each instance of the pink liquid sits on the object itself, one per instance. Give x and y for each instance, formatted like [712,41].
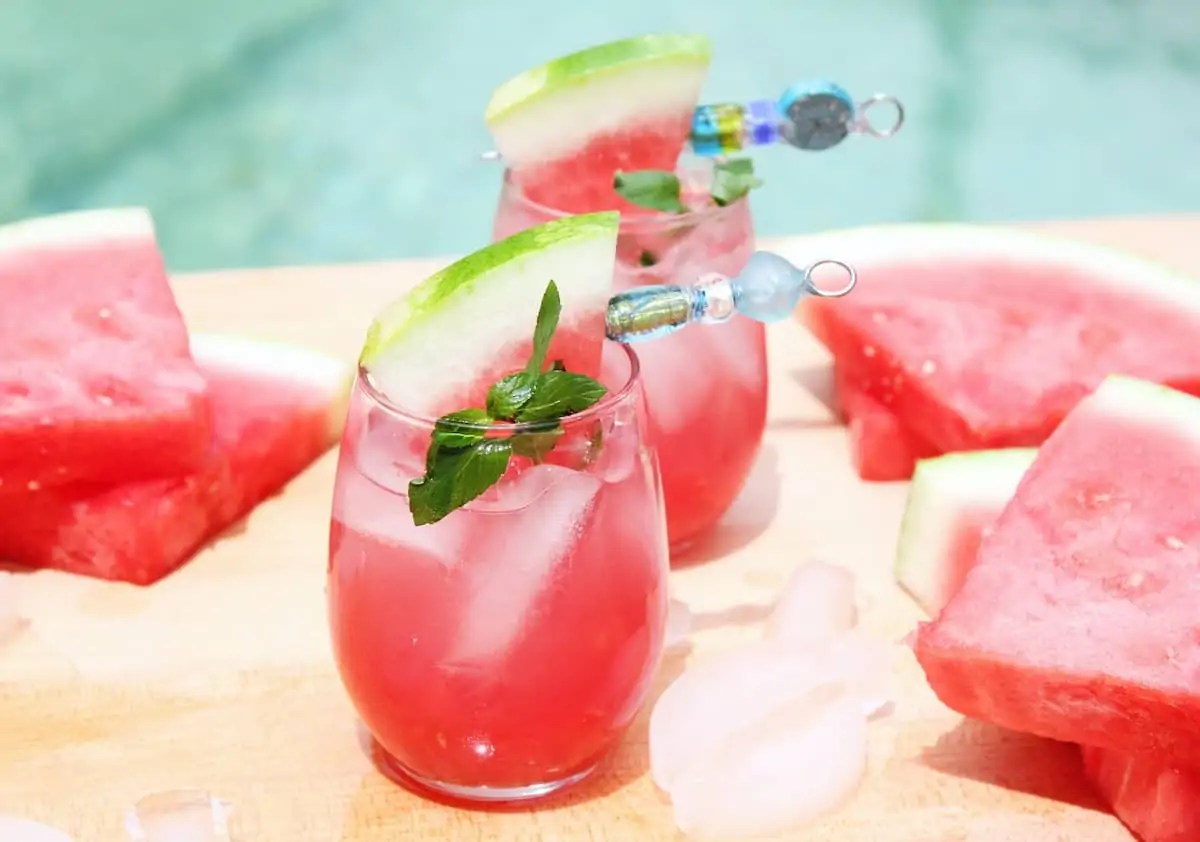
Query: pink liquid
[510,645]
[706,386]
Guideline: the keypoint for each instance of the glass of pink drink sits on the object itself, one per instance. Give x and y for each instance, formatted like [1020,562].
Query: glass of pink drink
[706,387]
[500,653]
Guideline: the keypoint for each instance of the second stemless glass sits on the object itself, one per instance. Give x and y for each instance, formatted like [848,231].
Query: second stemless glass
[500,653]
[706,387]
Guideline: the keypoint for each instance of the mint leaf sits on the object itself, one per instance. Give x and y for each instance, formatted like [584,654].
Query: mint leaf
[459,476]
[460,429]
[733,179]
[561,393]
[543,330]
[463,461]
[535,444]
[509,394]
[654,189]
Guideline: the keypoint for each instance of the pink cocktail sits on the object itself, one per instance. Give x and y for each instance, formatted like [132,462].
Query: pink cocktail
[501,652]
[706,387]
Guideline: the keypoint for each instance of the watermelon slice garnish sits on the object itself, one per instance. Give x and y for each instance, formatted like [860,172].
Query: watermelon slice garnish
[980,337]
[275,408]
[1077,621]
[96,379]
[952,502]
[567,127]
[442,346]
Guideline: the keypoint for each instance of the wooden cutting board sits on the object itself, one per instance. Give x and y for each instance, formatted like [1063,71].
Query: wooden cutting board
[220,677]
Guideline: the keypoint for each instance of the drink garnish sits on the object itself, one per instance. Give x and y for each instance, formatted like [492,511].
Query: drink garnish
[465,457]
[660,190]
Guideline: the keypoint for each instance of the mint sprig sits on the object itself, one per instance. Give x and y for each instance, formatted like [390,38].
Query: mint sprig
[660,190]
[465,459]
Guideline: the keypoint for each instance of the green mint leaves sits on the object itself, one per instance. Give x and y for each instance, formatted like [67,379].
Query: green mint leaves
[732,180]
[661,191]
[465,459]
[654,189]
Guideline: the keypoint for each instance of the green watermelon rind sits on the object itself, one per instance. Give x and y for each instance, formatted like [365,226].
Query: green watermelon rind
[879,245]
[83,228]
[567,73]
[439,335]
[942,491]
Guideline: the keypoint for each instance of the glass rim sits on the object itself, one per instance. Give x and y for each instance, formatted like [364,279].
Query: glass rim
[611,399]
[642,223]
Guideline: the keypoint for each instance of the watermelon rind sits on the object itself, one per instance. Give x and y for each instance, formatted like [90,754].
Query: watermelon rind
[329,378]
[437,339]
[550,110]
[66,230]
[943,490]
[880,245]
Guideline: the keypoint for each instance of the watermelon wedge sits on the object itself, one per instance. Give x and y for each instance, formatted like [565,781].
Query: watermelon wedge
[460,330]
[96,380]
[276,409]
[951,503]
[565,128]
[881,450]
[980,337]
[1078,620]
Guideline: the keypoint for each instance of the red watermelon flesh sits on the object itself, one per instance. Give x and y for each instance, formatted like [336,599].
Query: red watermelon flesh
[96,379]
[1078,621]
[1159,803]
[276,409]
[974,347]
[880,448]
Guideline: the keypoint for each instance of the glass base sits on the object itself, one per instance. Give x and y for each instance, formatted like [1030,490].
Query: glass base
[483,795]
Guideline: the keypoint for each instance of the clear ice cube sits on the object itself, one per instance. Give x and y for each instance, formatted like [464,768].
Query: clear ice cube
[515,555]
[185,815]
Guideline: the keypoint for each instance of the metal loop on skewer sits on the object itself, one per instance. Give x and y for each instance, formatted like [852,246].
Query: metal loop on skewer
[862,122]
[811,286]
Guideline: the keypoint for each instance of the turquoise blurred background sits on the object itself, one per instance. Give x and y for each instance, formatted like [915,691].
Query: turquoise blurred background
[265,132]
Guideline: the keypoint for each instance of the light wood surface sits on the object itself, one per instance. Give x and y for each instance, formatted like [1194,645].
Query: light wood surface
[220,677]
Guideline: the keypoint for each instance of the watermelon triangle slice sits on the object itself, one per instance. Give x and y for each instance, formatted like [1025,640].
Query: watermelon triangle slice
[275,408]
[96,380]
[980,337]
[1078,620]
[952,502]
[566,127]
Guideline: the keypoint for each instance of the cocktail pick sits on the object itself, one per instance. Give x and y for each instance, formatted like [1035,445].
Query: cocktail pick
[767,290]
[813,116]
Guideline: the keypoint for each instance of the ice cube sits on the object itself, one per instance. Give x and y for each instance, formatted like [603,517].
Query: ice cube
[365,507]
[515,554]
[817,603]
[16,829]
[728,693]
[11,621]
[185,815]
[791,768]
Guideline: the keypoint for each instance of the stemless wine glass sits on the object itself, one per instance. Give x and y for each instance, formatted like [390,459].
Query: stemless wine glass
[500,653]
[706,387]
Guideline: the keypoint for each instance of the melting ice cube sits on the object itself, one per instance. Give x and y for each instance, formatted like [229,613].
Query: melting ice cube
[15,829]
[185,815]
[516,552]
[817,603]
[732,691]
[789,769]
